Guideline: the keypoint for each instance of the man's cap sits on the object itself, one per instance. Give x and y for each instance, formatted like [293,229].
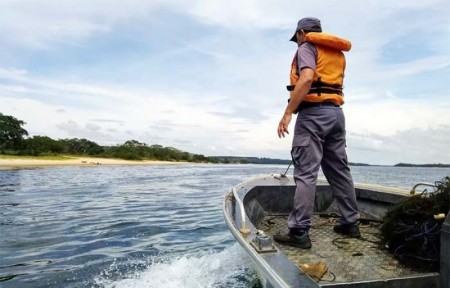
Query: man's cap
[309,24]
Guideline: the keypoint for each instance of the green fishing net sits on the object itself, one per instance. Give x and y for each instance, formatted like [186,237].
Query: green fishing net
[411,231]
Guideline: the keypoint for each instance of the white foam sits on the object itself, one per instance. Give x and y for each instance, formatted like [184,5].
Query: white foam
[228,268]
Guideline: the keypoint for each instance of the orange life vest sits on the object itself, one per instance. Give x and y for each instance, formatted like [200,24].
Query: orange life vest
[330,67]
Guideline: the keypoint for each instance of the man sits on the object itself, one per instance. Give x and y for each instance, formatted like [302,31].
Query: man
[317,74]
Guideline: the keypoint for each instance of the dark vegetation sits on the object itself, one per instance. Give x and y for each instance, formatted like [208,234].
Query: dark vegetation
[14,141]
[251,160]
[359,164]
[439,165]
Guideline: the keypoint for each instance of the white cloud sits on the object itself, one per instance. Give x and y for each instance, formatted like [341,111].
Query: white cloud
[13,74]
[387,116]
[412,146]
[44,23]
[231,99]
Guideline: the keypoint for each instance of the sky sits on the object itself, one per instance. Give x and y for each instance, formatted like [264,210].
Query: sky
[209,77]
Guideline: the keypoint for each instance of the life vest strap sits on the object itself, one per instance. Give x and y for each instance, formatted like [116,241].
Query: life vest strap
[318,87]
[290,87]
[326,90]
[322,88]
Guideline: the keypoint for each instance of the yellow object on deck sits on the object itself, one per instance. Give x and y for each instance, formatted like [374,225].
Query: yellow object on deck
[316,270]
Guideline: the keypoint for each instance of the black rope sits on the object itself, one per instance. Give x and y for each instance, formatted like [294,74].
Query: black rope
[412,233]
[284,175]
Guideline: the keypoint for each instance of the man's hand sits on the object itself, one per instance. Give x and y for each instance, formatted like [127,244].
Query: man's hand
[296,97]
[284,123]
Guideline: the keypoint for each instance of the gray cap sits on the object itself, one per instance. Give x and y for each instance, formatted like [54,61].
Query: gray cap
[309,24]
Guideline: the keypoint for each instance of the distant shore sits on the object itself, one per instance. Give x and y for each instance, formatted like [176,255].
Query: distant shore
[12,163]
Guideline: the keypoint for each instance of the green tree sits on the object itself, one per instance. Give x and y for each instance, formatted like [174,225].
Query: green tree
[38,145]
[11,132]
[134,144]
[81,147]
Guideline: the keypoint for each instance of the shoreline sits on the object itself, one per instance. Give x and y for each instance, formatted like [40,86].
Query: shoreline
[14,163]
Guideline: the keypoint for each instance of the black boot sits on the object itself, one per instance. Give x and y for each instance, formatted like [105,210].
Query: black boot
[296,238]
[350,230]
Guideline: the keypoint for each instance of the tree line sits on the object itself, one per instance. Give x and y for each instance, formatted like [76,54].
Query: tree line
[14,140]
[438,165]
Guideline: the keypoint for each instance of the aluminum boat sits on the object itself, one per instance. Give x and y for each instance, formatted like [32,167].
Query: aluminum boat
[257,209]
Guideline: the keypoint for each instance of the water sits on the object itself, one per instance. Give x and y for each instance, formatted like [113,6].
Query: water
[135,226]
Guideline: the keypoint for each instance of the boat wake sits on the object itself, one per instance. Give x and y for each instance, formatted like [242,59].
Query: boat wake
[228,268]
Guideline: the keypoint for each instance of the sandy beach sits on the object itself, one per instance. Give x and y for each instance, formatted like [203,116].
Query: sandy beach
[11,163]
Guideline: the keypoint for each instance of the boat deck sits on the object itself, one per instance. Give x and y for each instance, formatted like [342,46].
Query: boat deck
[348,260]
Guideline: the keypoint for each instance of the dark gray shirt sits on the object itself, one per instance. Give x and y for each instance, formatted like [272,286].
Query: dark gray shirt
[307,56]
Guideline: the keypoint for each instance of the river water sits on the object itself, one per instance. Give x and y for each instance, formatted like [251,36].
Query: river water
[135,226]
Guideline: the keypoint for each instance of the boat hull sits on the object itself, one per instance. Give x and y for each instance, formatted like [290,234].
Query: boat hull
[260,202]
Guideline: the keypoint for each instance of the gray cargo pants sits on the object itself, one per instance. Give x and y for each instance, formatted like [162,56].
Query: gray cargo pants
[319,140]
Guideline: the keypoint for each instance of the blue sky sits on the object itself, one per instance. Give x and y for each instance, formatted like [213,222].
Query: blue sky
[209,77]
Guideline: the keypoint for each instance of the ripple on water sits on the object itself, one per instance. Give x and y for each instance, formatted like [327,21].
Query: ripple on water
[228,268]
[152,226]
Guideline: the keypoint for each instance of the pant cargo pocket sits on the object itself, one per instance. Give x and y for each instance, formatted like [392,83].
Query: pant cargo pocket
[300,149]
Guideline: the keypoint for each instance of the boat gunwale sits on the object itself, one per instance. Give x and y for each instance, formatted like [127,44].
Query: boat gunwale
[265,268]
[259,259]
